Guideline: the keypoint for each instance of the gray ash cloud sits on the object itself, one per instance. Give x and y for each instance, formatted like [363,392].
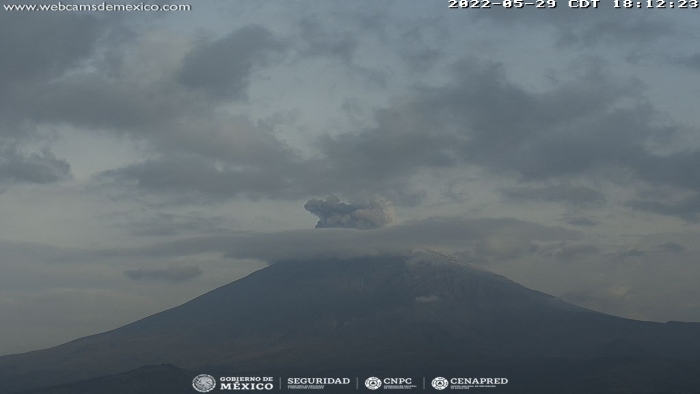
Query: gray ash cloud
[374,213]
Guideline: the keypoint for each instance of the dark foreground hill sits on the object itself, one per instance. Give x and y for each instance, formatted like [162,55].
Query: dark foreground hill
[376,316]
[152,379]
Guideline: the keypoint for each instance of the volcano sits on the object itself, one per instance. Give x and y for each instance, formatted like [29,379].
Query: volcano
[391,315]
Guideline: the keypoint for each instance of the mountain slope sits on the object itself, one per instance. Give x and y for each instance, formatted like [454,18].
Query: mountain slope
[388,313]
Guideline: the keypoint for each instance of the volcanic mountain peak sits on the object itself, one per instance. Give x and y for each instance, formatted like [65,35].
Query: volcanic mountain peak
[396,313]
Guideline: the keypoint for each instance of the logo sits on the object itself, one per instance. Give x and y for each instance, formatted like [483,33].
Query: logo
[440,383]
[404,383]
[204,383]
[373,383]
[315,383]
[246,383]
[468,383]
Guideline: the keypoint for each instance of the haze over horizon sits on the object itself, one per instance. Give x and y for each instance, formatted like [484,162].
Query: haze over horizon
[147,158]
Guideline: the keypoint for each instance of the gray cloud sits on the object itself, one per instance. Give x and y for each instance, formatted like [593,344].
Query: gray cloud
[39,48]
[331,212]
[497,238]
[629,253]
[222,68]
[317,41]
[156,98]
[575,128]
[493,239]
[455,234]
[44,49]
[565,131]
[639,29]
[593,126]
[687,208]
[170,274]
[690,61]
[578,196]
[580,221]
[671,247]
[198,178]
[40,168]
[98,101]
[578,28]
[43,45]
[159,102]
[164,224]
[492,249]
[426,299]
[569,252]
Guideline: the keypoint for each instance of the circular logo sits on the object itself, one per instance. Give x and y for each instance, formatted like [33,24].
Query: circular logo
[204,383]
[373,383]
[440,383]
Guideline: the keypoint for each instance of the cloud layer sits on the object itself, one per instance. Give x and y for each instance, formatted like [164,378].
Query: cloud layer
[170,274]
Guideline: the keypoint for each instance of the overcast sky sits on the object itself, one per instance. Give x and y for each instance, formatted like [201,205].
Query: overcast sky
[149,157]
